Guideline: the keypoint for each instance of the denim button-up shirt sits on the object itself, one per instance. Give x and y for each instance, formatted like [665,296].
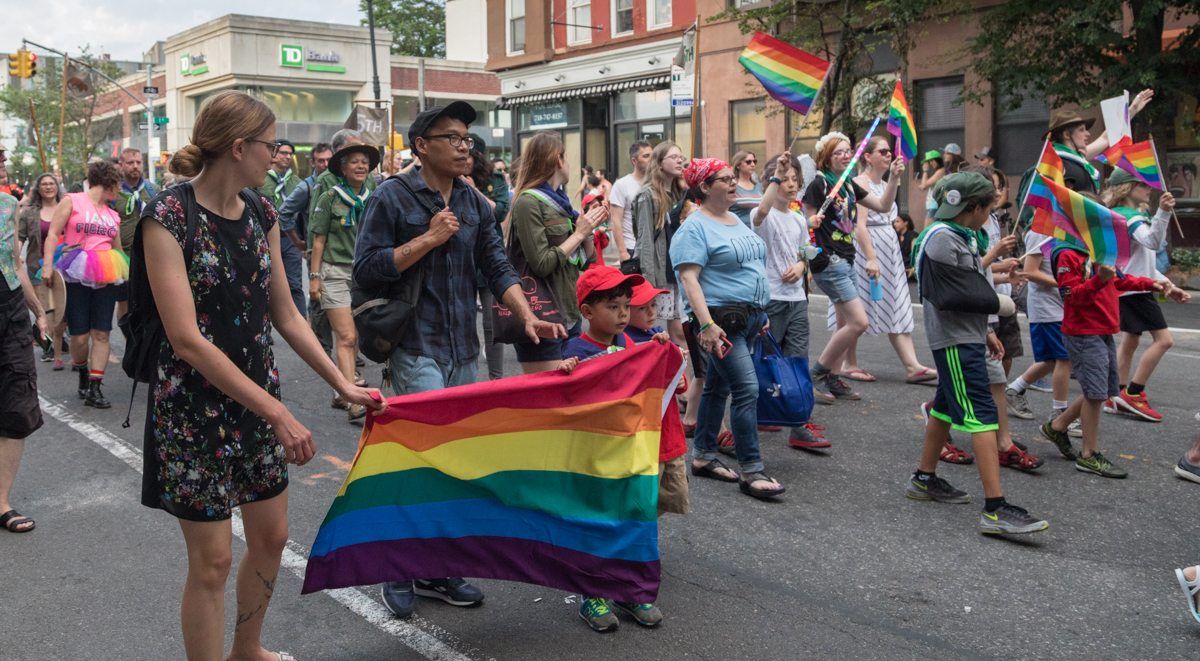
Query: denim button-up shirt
[445,321]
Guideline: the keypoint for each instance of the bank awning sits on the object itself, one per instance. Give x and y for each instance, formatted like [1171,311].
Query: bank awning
[585,90]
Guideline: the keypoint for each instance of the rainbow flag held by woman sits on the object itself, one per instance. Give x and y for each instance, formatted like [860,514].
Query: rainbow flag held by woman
[546,478]
[901,124]
[1137,158]
[1103,231]
[791,76]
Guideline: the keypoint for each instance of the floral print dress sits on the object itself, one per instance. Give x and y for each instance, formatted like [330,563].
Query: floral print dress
[205,453]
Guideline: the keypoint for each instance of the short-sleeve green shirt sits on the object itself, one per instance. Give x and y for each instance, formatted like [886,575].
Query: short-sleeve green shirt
[328,219]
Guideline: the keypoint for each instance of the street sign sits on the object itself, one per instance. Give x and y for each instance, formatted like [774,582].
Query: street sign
[143,126]
[162,121]
[150,91]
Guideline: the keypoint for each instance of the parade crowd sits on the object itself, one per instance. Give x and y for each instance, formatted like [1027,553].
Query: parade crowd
[398,261]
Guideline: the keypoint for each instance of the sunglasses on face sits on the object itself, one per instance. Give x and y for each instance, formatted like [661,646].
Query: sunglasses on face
[884,152]
[750,161]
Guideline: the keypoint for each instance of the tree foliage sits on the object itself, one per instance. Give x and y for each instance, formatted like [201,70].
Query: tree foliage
[418,27]
[1081,51]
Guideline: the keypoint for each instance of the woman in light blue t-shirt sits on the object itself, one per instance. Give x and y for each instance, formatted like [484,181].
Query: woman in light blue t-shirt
[721,265]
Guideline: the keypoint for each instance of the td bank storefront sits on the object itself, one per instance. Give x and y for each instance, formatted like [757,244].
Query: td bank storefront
[310,74]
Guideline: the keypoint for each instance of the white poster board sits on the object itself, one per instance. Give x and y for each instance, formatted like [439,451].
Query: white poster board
[1116,117]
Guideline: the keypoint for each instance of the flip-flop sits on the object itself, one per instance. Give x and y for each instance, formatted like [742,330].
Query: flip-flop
[1189,591]
[924,376]
[709,470]
[860,375]
[12,518]
[761,494]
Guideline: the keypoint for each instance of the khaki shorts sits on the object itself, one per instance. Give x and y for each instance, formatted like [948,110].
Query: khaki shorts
[673,486]
[335,286]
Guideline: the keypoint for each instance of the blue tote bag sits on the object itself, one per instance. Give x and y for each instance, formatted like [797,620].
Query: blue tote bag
[785,390]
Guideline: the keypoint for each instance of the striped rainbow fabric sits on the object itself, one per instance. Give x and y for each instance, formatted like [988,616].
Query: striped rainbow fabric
[1050,166]
[1104,231]
[901,124]
[1137,158]
[93,268]
[547,479]
[790,75]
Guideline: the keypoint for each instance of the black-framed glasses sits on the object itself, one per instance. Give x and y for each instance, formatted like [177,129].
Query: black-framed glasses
[456,141]
[727,179]
[273,145]
[750,161]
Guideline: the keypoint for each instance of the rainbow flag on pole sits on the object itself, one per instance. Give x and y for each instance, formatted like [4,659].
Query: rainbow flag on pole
[1137,158]
[901,124]
[1050,166]
[791,76]
[1104,231]
[546,478]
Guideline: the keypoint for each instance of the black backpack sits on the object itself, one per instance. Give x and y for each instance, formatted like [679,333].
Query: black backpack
[141,325]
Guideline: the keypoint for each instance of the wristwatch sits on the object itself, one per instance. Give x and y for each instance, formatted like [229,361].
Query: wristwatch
[315,276]
[774,180]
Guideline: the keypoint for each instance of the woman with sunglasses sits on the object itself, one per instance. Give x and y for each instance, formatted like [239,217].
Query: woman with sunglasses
[721,265]
[889,308]
[749,188]
[35,219]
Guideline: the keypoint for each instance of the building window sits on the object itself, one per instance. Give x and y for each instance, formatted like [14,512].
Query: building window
[579,13]
[658,14]
[748,127]
[516,25]
[1018,134]
[622,20]
[940,117]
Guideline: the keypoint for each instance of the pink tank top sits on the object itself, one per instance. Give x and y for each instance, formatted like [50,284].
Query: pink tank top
[90,228]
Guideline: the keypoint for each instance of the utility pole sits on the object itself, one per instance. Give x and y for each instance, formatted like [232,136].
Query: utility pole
[150,125]
[374,64]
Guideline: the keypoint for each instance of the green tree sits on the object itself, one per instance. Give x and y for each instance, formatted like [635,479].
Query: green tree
[418,27]
[1081,51]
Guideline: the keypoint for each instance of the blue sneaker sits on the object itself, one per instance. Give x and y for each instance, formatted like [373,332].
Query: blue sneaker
[454,591]
[598,615]
[1042,385]
[399,598]
[647,615]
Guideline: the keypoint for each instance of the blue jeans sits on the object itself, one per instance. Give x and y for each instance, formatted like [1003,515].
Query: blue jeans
[293,268]
[416,373]
[732,374]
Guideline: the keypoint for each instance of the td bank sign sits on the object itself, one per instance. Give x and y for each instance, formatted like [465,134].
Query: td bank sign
[293,56]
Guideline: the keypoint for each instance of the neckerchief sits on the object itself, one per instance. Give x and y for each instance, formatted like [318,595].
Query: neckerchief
[1071,155]
[556,199]
[134,203]
[356,202]
[1135,217]
[971,237]
[847,193]
[280,184]
[559,199]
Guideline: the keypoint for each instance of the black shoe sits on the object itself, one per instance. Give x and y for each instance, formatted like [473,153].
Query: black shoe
[48,354]
[95,398]
[454,591]
[1060,439]
[1009,519]
[84,384]
[399,598]
[935,489]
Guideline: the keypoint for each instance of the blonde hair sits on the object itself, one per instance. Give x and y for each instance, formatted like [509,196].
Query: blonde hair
[539,161]
[224,118]
[1113,196]
[823,151]
[665,189]
[738,159]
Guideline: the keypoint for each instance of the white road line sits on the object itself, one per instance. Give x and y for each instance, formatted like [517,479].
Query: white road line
[295,555]
[918,306]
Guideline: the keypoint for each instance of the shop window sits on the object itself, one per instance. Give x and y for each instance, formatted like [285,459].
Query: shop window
[303,105]
[644,104]
[748,127]
[1019,133]
[658,14]
[579,13]
[515,10]
[940,117]
[622,18]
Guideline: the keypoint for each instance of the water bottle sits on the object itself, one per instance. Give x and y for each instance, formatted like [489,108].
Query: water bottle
[811,251]
[876,290]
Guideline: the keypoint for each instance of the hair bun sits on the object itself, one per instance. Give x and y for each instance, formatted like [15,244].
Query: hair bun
[187,161]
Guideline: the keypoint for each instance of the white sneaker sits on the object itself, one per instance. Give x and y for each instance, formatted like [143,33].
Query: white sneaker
[1075,430]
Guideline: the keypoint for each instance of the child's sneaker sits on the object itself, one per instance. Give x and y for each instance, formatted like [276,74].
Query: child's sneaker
[1018,405]
[1109,406]
[598,615]
[1009,519]
[803,438]
[1137,406]
[1059,439]
[1042,385]
[1099,465]
[936,489]
[1075,429]
[646,615]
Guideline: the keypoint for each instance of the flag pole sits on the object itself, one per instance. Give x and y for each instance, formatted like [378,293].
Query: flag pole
[1163,178]
[853,162]
[1021,206]
[816,98]
[697,143]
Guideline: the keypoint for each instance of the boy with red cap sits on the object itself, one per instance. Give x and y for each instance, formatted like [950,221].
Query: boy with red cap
[604,295]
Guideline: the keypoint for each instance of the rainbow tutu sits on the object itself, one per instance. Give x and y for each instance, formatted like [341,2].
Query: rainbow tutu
[94,268]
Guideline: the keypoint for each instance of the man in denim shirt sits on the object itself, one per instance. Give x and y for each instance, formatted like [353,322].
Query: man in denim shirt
[441,348]
[293,215]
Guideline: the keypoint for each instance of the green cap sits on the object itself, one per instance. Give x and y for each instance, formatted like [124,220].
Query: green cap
[1120,176]
[931,154]
[953,192]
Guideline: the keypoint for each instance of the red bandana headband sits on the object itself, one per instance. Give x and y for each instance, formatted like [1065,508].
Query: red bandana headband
[700,169]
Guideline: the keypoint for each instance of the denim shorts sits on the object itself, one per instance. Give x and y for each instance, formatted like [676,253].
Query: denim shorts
[837,281]
[90,309]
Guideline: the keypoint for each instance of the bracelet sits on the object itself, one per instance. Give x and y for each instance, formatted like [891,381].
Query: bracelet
[774,180]
[312,275]
[705,327]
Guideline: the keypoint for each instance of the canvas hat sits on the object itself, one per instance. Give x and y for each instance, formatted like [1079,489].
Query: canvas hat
[1120,176]
[1063,118]
[954,191]
[460,110]
[335,161]
[931,154]
[986,152]
[952,148]
[599,278]
[644,293]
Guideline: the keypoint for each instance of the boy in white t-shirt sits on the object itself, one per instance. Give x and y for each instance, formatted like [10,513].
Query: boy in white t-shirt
[785,231]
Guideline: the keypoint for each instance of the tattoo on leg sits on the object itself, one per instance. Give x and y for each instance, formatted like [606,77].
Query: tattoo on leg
[243,618]
[268,584]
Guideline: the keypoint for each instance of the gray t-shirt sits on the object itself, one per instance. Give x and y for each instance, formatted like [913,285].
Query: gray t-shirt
[948,328]
[1043,303]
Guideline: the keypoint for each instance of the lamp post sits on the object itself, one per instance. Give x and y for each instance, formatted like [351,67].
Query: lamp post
[374,64]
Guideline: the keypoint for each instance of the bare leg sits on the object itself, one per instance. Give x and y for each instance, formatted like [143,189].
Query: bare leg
[936,434]
[1193,453]
[1150,357]
[266,536]
[1060,384]
[856,324]
[1089,419]
[1003,435]
[79,349]
[1125,350]
[98,357]
[988,461]
[903,345]
[202,612]
[10,461]
[1069,415]
[694,390]
[345,339]
[1038,370]
[56,334]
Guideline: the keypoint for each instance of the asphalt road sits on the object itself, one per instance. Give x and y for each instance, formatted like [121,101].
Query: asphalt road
[843,566]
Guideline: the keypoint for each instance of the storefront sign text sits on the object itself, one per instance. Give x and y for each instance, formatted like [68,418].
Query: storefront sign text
[548,117]
[294,56]
[192,65]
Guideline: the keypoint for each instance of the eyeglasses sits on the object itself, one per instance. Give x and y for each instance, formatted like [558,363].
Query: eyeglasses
[750,161]
[456,141]
[273,145]
[885,152]
[842,152]
[727,179]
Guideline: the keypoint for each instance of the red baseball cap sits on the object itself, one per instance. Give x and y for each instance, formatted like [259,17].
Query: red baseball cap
[645,292]
[599,278]
[588,199]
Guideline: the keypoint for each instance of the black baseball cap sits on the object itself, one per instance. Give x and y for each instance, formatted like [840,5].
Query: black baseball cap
[460,110]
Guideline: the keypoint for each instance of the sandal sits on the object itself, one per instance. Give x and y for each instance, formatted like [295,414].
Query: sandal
[859,374]
[924,376]
[725,444]
[750,478]
[710,469]
[1190,588]
[12,520]
[1016,457]
[952,454]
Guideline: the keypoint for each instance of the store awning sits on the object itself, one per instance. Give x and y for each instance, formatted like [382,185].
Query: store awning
[586,90]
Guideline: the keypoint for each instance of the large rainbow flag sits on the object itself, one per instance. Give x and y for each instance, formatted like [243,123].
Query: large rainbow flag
[1104,231]
[1137,158]
[1050,166]
[547,478]
[791,76]
[901,124]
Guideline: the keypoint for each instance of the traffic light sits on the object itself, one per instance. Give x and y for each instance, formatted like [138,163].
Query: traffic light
[15,62]
[30,64]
